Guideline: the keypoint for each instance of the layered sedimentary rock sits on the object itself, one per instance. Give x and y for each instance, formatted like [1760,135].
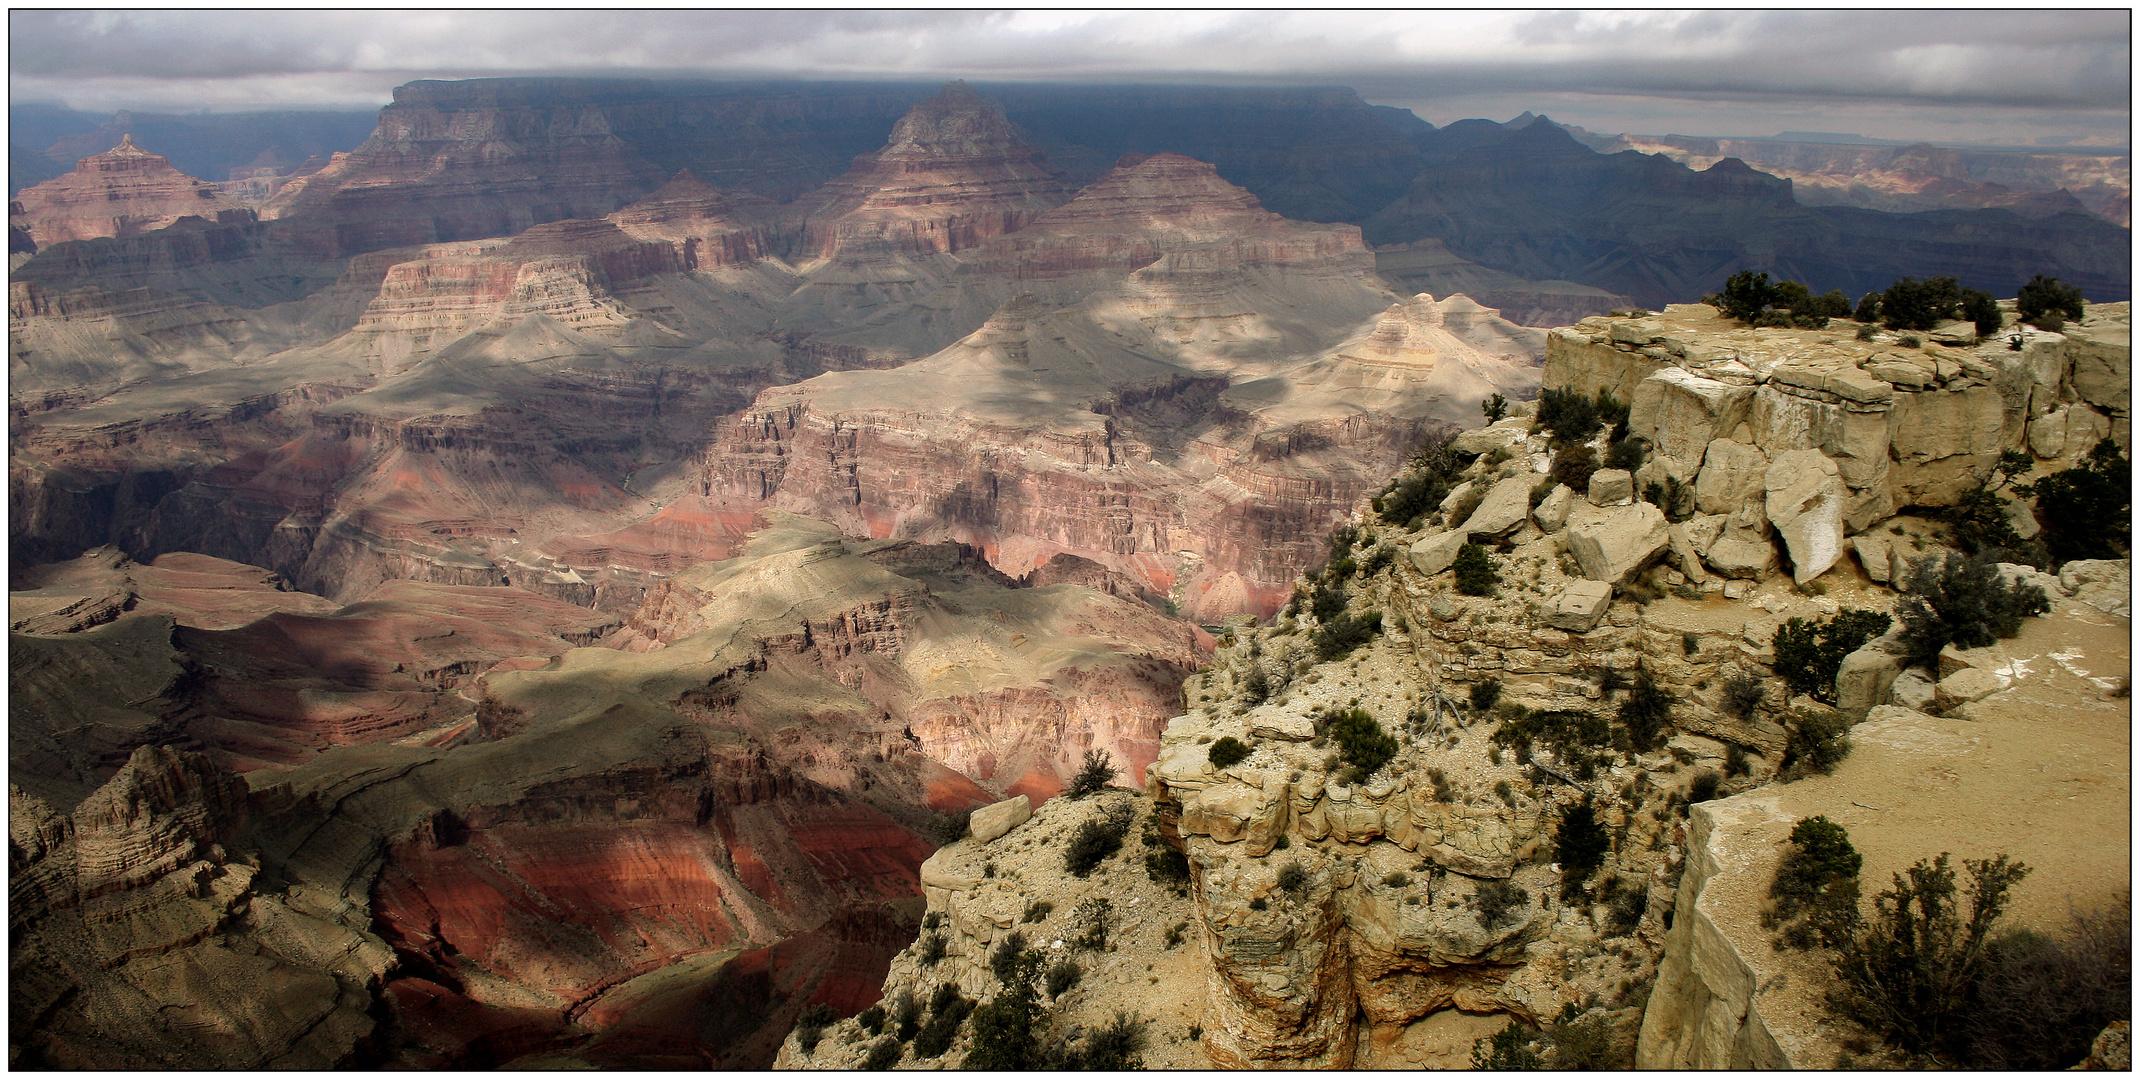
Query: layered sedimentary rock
[120,192]
[954,174]
[1429,266]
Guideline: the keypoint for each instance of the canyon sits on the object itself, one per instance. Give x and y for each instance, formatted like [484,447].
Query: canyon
[543,587]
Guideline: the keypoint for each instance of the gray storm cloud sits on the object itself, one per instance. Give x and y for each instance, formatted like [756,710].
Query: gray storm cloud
[2036,65]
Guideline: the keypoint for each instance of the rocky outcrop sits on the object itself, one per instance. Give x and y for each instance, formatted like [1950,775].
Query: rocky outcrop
[1832,435]
[124,191]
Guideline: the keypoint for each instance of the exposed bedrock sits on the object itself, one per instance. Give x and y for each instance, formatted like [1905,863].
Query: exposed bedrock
[120,192]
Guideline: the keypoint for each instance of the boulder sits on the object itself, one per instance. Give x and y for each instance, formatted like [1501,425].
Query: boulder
[1874,555]
[1686,555]
[1913,689]
[1679,412]
[1612,487]
[1580,606]
[1551,514]
[936,873]
[2047,433]
[995,819]
[1736,557]
[1485,440]
[1731,474]
[2022,518]
[1805,504]
[1456,495]
[1620,542]
[2020,574]
[1433,555]
[1863,681]
[1966,685]
[1506,506]
[2104,584]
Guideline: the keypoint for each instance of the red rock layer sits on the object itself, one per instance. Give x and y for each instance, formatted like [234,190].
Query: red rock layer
[124,191]
[709,228]
[954,174]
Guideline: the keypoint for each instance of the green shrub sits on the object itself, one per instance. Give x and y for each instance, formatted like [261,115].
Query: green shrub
[1868,309]
[1498,903]
[1062,976]
[1256,686]
[1094,917]
[1093,776]
[1378,560]
[1361,741]
[1817,882]
[1573,466]
[810,1026]
[1168,867]
[1004,960]
[1704,786]
[1176,934]
[933,948]
[1227,752]
[1327,602]
[1097,838]
[1396,879]
[1735,763]
[885,1054]
[947,829]
[1982,308]
[1819,741]
[1627,454]
[2085,510]
[2042,1000]
[1411,495]
[1003,1035]
[1111,1047]
[1339,636]
[1495,408]
[1963,602]
[947,1010]
[1910,971]
[1581,841]
[1484,694]
[1510,1048]
[906,1017]
[1742,695]
[1809,653]
[1292,877]
[1037,910]
[1542,489]
[1910,304]
[871,1019]
[1475,573]
[2044,296]
[1646,712]
[1506,791]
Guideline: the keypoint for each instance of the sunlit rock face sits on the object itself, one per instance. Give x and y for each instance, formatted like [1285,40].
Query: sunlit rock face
[124,191]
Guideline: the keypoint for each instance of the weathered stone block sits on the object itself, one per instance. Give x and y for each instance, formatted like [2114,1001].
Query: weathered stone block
[995,819]
[1731,473]
[1434,554]
[1622,542]
[1506,506]
[1805,504]
[1611,487]
[1551,514]
[1580,606]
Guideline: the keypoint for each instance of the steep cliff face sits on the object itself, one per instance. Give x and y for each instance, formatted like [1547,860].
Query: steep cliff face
[121,192]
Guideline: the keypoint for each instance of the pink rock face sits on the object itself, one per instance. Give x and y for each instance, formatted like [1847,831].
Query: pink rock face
[124,191]
[709,228]
[954,175]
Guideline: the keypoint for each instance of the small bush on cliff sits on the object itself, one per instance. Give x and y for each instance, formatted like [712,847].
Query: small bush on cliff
[1868,310]
[885,1054]
[1341,635]
[1062,976]
[947,1010]
[1573,466]
[1361,741]
[1646,712]
[1003,1036]
[1293,877]
[810,1026]
[1461,510]
[871,1019]
[1097,838]
[1810,652]
[1627,454]
[1093,776]
[1910,304]
[1484,694]
[1574,418]
[1168,867]
[1327,602]
[1378,560]
[906,1017]
[2085,510]
[2044,296]
[1511,1048]
[1581,841]
[1228,752]
[1475,573]
[1910,971]
[1982,308]
[2042,1000]
[948,829]
[1497,903]
[1704,786]
[1495,408]
[1742,695]
[1819,741]
[1963,602]
[1816,886]
[1094,918]
[933,948]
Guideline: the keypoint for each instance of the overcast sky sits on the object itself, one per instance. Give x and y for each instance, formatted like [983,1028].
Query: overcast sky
[1986,76]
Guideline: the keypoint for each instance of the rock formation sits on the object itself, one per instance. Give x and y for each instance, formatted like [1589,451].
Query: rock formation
[121,192]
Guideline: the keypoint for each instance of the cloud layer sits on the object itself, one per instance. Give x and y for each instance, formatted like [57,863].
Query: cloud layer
[1991,72]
